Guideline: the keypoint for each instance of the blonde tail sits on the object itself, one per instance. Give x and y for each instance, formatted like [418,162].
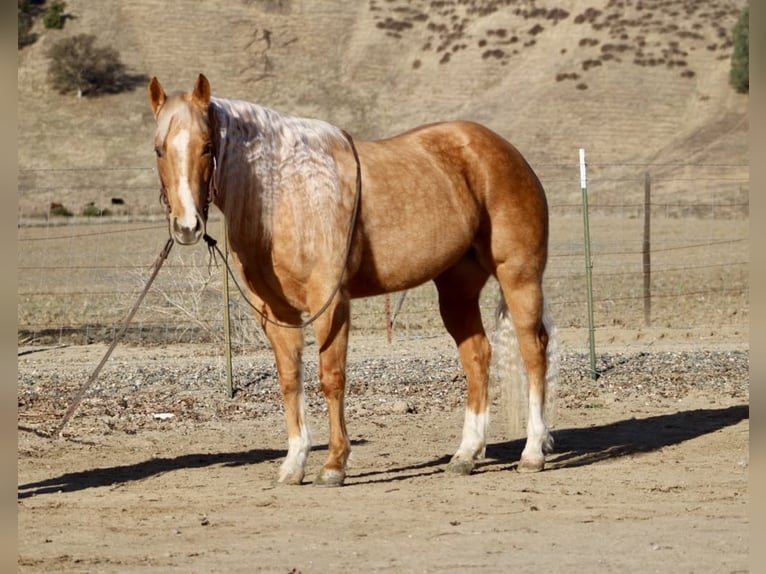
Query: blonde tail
[508,370]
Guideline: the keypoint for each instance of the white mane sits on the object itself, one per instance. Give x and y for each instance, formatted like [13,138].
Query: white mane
[268,160]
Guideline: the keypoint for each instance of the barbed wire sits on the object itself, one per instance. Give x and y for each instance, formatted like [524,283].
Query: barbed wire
[569,273]
[547,181]
[429,310]
[133,292]
[23,171]
[562,164]
[98,233]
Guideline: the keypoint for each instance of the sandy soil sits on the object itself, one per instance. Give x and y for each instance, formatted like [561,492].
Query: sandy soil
[650,472]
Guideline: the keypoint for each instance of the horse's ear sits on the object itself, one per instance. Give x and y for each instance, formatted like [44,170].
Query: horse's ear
[157,95]
[201,93]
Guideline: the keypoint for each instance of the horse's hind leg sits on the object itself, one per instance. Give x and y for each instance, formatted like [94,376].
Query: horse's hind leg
[459,290]
[523,294]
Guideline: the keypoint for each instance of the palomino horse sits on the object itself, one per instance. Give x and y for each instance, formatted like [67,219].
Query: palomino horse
[314,221]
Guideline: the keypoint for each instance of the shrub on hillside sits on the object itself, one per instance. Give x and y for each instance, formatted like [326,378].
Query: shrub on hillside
[739,74]
[28,11]
[78,65]
[91,210]
[54,18]
[60,210]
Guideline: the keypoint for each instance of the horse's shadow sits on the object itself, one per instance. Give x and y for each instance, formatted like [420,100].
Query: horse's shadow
[115,475]
[574,447]
[584,446]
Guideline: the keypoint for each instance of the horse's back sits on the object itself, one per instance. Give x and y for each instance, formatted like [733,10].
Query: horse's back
[462,151]
[432,194]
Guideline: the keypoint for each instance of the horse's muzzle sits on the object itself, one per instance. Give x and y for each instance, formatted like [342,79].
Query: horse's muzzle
[187,235]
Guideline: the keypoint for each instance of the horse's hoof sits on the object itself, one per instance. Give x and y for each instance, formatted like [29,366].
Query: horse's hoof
[460,466]
[531,465]
[292,479]
[330,477]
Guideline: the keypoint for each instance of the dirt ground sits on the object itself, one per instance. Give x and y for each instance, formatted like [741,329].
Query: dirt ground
[162,473]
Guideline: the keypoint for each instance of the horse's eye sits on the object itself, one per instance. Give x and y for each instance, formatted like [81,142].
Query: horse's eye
[158,151]
[208,149]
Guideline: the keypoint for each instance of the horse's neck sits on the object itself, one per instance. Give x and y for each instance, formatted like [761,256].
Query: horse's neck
[267,160]
[254,150]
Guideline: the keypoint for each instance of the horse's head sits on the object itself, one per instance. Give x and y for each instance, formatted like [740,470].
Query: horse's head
[184,157]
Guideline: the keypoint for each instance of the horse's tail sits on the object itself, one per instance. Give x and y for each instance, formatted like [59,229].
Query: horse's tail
[508,370]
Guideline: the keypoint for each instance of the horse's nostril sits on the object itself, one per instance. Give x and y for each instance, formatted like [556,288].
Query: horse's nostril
[177,227]
[187,235]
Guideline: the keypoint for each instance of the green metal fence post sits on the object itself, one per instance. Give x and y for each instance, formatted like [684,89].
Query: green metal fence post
[226,317]
[588,266]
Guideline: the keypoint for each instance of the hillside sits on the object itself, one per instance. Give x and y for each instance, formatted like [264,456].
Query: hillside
[634,82]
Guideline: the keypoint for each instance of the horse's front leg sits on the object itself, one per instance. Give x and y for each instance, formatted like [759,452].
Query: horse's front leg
[287,344]
[332,337]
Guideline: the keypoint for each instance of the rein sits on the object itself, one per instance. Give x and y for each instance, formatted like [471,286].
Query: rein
[58,431]
[212,246]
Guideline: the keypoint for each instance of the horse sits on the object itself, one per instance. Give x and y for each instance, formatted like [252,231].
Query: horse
[315,219]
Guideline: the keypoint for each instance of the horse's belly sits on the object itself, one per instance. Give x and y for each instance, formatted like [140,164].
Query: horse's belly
[407,260]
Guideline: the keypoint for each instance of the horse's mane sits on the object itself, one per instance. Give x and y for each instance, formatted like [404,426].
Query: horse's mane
[270,161]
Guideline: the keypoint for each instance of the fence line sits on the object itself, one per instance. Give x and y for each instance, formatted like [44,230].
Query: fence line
[539,166]
[181,290]
[75,282]
[551,257]
[737,290]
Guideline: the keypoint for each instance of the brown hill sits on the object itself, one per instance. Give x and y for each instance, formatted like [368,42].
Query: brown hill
[637,83]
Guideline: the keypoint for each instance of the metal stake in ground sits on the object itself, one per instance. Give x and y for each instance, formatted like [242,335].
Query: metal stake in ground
[84,389]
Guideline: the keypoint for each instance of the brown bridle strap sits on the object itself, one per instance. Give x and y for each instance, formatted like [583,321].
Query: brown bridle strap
[213,247]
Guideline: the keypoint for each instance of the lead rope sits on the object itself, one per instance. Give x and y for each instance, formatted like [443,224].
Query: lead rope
[212,246]
[84,389]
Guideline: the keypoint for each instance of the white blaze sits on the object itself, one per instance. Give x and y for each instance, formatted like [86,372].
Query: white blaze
[188,218]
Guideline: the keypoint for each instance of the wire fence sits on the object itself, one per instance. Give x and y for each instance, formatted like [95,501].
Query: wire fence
[78,276]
